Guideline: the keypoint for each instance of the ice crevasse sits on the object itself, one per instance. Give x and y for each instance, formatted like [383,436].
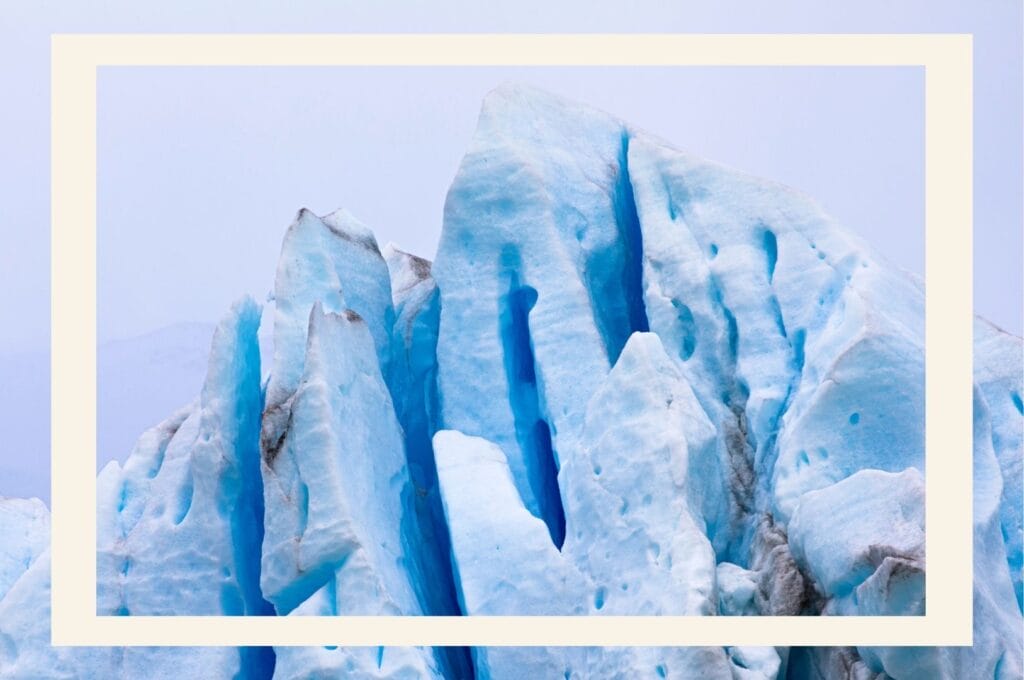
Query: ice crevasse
[632,382]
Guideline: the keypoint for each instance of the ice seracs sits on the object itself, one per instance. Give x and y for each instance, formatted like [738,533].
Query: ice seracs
[634,494]
[333,260]
[539,280]
[190,497]
[879,553]
[999,378]
[336,477]
[633,382]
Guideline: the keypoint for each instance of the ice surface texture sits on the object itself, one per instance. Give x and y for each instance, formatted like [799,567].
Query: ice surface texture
[633,382]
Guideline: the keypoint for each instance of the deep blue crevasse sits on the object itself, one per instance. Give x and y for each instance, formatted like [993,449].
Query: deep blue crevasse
[532,430]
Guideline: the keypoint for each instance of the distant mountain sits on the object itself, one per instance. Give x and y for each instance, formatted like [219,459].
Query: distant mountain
[139,381]
[142,379]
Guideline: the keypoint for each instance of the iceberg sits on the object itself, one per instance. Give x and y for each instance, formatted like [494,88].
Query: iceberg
[633,382]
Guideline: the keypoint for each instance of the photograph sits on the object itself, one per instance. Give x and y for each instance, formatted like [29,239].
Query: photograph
[498,340]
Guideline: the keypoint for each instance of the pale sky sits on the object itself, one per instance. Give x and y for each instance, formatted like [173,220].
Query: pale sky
[204,167]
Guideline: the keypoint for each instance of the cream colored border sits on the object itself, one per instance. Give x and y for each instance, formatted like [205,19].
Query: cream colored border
[947,63]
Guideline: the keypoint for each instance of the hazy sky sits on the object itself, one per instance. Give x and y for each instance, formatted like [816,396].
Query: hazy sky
[276,141]
[25,26]
[202,169]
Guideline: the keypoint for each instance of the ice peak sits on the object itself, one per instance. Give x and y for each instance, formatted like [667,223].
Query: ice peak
[344,224]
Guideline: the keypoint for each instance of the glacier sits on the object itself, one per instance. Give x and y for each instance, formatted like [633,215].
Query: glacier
[632,382]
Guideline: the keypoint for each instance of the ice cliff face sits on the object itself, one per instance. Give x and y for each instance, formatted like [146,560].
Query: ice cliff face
[633,382]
